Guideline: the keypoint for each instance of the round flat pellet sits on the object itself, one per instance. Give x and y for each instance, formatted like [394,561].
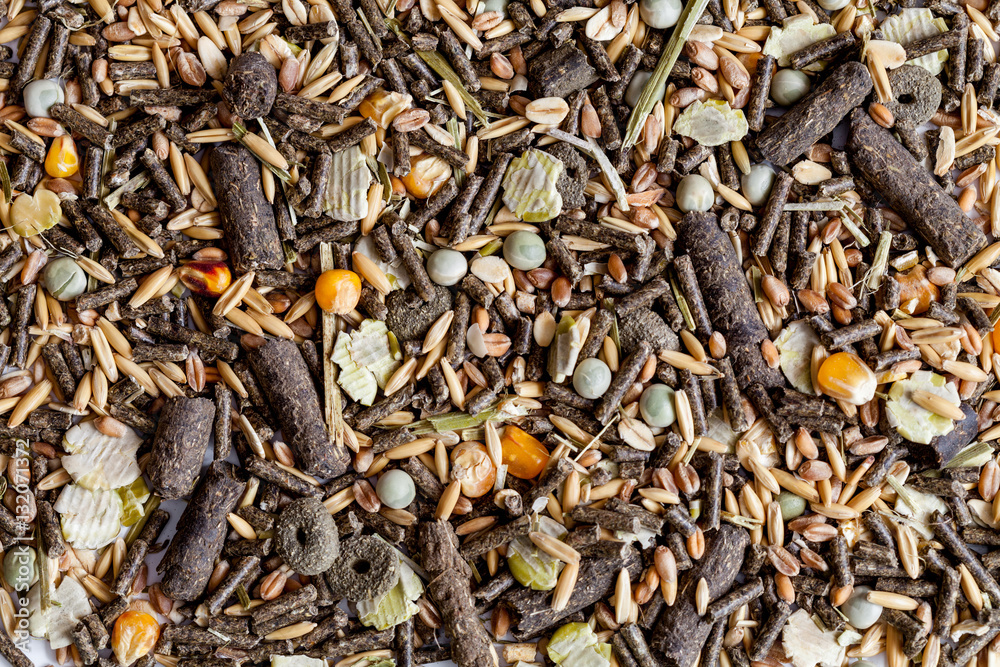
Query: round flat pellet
[917,94]
[410,317]
[366,569]
[306,536]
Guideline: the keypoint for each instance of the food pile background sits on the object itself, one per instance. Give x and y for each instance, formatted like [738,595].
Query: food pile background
[575,332]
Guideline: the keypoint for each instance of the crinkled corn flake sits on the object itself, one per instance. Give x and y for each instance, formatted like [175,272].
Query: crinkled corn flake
[30,215]
[90,519]
[38,625]
[296,661]
[347,191]
[797,32]
[917,509]
[577,645]
[395,272]
[99,461]
[982,513]
[719,430]
[570,337]
[365,359]
[912,421]
[795,344]
[849,637]
[712,123]
[909,25]
[529,188]
[396,606]
[134,497]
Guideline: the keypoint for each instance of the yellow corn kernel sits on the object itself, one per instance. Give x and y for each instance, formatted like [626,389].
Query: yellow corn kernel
[846,377]
[382,106]
[62,160]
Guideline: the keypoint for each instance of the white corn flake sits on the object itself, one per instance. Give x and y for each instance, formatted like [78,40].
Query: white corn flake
[808,646]
[99,461]
[347,191]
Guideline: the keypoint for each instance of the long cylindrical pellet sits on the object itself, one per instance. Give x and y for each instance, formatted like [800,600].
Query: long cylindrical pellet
[284,379]
[681,632]
[19,326]
[488,191]
[166,182]
[621,651]
[454,51]
[692,387]
[760,91]
[946,533]
[691,290]
[626,375]
[772,214]
[912,191]
[77,122]
[413,262]
[247,216]
[35,41]
[182,436]
[346,139]
[113,231]
[48,521]
[57,364]
[727,604]
[611,139]
[130,568]
[727,296]
[769,633]
[190,559]
[825,49]
[816,114]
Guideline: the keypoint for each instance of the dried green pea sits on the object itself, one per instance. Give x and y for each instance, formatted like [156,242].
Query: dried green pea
[64,279]
[695,193]
[524,250]
[19,568]
[791,505]
[789,86]
[757,184]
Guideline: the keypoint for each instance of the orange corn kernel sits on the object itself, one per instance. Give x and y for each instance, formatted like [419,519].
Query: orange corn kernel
[846,377]
[471,465]
[914,287]
[338,291]
[205,278]
[135,634]
[382,106]
[62,160]
[428,174]
[524,456]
